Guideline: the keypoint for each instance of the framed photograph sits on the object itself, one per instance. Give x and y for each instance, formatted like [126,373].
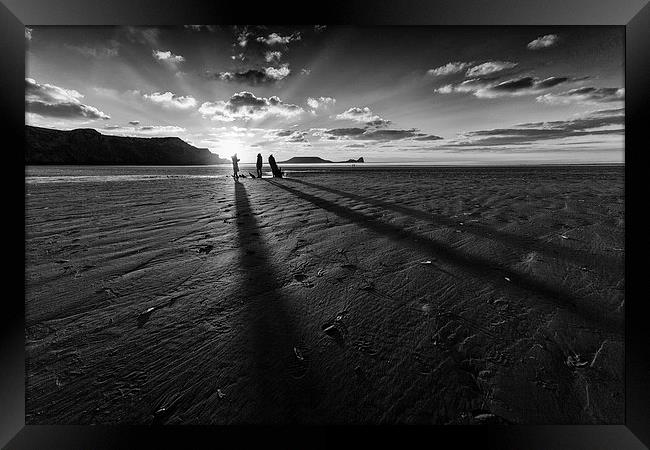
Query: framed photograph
[249,224]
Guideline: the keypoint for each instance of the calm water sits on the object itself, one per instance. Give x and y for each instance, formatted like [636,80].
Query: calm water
[103,174]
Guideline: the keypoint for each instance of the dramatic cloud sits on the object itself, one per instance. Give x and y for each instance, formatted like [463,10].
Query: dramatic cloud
[28,33]
[320,102]
[489,67]
[171,100]
[254,77]
[584,95]
[275,39]
[548,40]
[492,88]
[363,114]
[48,100]
[246,106]
[449,68]
[272,57]
[168,57]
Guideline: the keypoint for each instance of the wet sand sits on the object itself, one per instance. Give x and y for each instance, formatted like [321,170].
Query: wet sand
[430,296]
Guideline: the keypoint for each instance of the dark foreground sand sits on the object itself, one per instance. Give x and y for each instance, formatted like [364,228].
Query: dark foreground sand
[425,296]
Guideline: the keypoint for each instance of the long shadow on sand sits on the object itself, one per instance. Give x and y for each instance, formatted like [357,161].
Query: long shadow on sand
[285,386]
[480,267]
[510,239]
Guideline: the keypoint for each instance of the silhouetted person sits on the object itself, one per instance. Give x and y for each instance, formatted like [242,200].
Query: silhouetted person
[235,166]
[259,165]
[274,167]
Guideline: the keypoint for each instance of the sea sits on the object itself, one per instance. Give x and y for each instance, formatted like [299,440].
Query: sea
[106,174]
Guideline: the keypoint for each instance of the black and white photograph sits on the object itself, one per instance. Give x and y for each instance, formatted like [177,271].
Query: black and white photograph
[324,225]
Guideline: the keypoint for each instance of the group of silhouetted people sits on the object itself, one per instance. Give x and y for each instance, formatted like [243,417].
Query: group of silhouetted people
[275,170]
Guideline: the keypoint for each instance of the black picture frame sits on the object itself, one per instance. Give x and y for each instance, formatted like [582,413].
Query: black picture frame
[634,15]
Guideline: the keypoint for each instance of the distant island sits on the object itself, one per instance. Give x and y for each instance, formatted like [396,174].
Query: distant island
[88,146]
[316,160]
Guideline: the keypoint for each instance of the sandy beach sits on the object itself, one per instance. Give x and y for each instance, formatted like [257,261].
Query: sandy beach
[359,295]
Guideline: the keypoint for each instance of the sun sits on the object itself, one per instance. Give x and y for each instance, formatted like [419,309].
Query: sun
[229,147]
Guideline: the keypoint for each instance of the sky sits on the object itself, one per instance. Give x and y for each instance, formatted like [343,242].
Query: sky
[437,95]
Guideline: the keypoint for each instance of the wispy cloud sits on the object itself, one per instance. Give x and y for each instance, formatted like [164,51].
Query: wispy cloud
[449,69]
[490,67]
[293,136]
[168,57]
[548,40]
[171,100]
[211,28]
[242,37]
[272,56]
[254,77]
[370,134]
[147,130]
[48,100]
[276,39]
[108,51]
[320,102]
[143,35]
[363,114]
[597,123]
[584,95]
[494,88]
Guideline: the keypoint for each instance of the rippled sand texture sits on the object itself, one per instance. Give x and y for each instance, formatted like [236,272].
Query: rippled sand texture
[382,296]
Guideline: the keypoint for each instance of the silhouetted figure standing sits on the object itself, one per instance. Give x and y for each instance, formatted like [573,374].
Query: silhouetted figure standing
[259,165]
[274,167]
[235,166]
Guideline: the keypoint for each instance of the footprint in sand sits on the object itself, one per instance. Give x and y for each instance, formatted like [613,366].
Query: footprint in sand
[298,363]
[165,408]
[205,249]
[144,316]
[336,329]
[366,347]
[303,279]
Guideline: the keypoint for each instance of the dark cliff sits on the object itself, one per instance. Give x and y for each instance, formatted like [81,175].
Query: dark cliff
[87,146]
